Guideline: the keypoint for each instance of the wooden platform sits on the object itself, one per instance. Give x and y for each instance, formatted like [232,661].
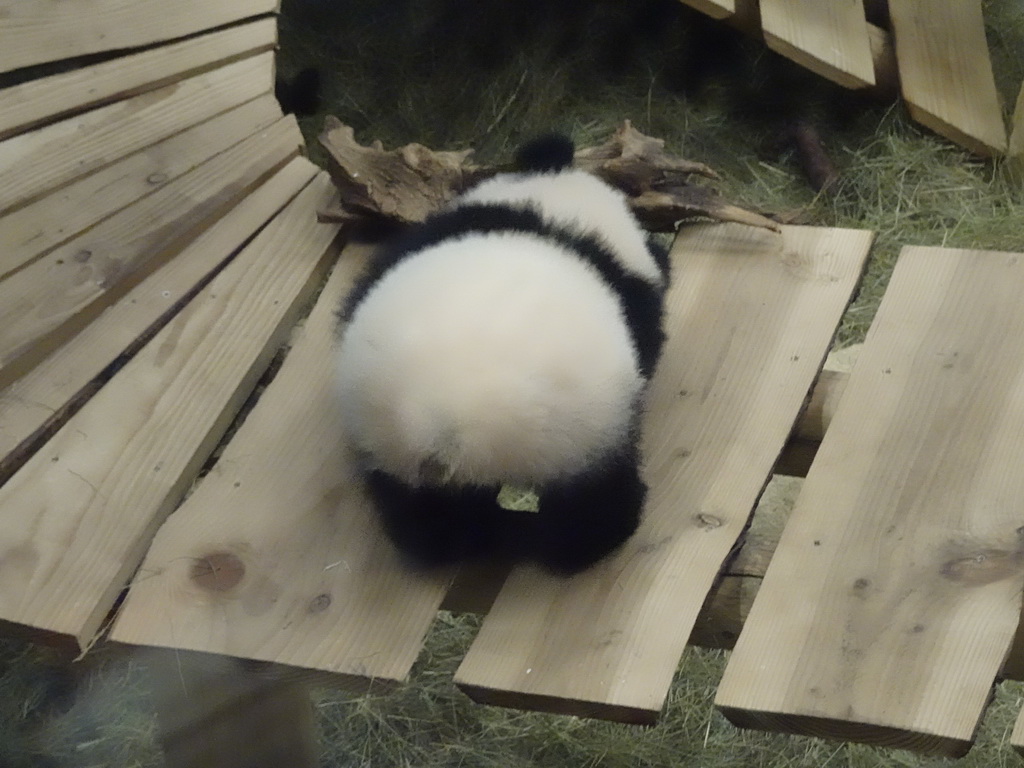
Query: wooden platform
[162,272]
[936,53]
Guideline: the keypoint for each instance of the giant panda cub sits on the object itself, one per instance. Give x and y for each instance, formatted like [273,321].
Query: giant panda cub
[508,339]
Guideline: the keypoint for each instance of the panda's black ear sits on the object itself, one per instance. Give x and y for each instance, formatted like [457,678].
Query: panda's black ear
[552,152]
[300,95]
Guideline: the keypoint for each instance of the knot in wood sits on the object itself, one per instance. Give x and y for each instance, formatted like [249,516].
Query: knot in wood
[320,603]
[984,567]
[218,572]
[708,522]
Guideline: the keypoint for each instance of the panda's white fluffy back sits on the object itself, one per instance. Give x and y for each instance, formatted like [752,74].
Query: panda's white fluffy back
[581,201]
[493,358]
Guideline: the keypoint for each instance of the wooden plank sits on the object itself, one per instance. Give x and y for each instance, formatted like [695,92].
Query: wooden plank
[1015,152]
[30,231]
[34,163]
[318,585]
[36,32]
[716,9]
[1017,138]
[945,71]
[894,594]
[1017,737]
[38,101]
[751,316]
[79,515]
[34,406]
[52,298]
[830,39]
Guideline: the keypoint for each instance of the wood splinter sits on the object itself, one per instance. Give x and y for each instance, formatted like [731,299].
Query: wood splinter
[404,185]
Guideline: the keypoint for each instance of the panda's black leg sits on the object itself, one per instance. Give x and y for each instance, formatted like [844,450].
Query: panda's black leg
[435,526]
[584,519]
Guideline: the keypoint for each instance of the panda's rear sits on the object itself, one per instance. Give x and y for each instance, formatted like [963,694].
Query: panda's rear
[495,358]
[508,339]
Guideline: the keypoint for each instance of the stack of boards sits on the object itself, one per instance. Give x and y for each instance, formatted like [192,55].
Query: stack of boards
[159,250]
[937,49]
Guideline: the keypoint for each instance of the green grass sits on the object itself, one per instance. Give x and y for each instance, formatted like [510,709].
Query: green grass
[393,74]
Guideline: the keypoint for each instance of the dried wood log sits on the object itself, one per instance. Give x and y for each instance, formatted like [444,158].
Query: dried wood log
[812,156]
[404,185]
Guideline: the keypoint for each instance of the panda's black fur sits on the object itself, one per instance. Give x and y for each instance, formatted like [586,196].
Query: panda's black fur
[432,516]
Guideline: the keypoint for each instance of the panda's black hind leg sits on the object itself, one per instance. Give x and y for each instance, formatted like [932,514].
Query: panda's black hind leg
[587,518]
[434,526]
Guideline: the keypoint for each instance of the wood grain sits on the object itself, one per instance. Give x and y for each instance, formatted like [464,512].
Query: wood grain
[51,98]
[81,512]
[751,316]
[51,299]
[32,230]
[318,587]
[36,32]
[34,406]
[945,71]
[830,38]
[35,163]
[894,594]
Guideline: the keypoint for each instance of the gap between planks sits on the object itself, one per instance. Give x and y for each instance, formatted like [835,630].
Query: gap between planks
[33,407]
[316,584]
[33,230]
[894,594]
[82,511]
[751,316]
[50,300]
[45,100]
[36,163]
[37,32]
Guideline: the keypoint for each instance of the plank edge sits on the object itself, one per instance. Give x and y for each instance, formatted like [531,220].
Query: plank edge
[931,744]
[539,702]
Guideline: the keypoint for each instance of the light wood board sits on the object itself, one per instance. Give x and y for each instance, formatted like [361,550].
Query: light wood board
[79,515]
[34,163]
[318,585]
[895,591]
[37,101]
[945,71]
[1016,150]
[751,315]
[828,38]
[36,32]
[53,297]
[1017,737]
[716,9]
[30,231]
[32,407]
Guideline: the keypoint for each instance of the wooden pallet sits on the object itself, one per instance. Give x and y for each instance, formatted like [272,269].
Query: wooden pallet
[159,256]
[937,52]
